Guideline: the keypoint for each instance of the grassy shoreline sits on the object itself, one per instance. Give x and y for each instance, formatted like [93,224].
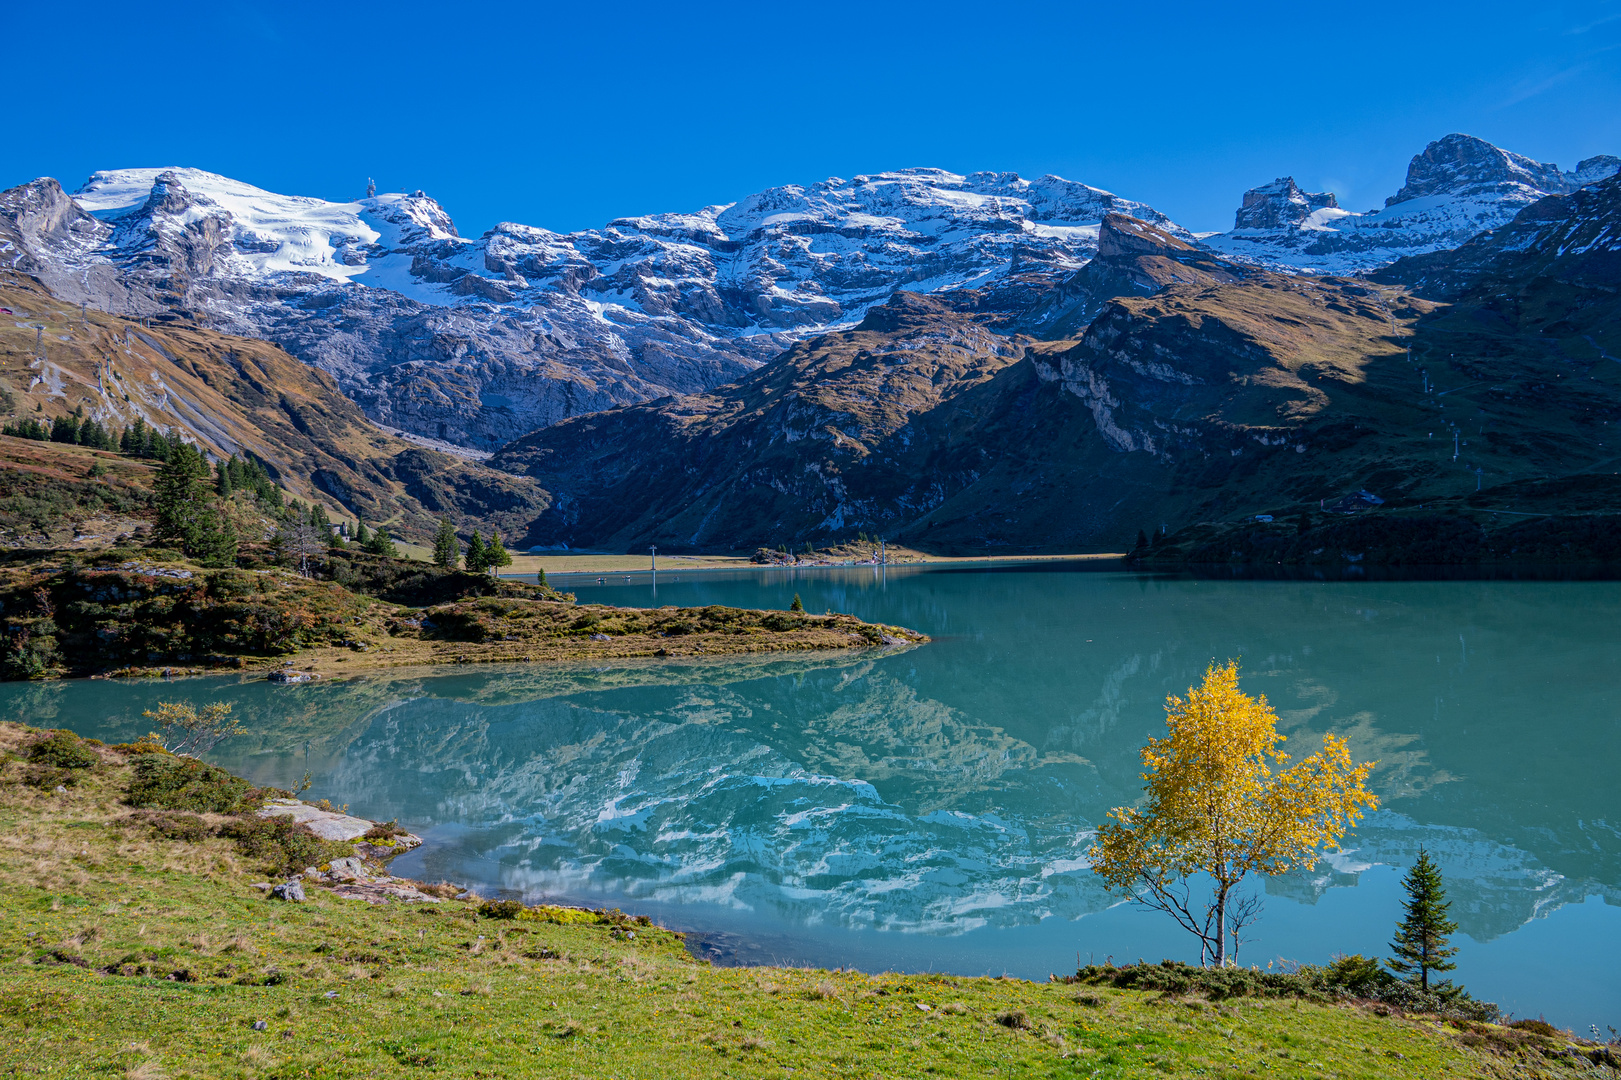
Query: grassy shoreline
[134,954]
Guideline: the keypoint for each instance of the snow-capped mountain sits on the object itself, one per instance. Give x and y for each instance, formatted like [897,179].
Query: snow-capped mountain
[1458,187]
[480,340]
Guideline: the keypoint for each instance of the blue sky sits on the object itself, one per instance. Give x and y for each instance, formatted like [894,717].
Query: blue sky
[568,115]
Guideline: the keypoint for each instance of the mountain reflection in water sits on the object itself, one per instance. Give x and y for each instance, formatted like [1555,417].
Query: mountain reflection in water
[946,794]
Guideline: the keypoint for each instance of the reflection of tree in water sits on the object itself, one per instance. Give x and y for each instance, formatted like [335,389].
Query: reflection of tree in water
[948,784]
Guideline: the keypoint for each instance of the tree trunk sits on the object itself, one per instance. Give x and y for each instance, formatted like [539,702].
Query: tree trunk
[1221,925]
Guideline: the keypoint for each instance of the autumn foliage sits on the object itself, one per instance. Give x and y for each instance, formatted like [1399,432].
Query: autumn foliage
[1222,800]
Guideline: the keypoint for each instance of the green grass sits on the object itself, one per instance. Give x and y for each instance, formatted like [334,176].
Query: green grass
[195,955]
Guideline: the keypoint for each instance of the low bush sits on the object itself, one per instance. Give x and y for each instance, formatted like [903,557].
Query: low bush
[1357,977]
[170,782]
[284,845]
[500,909]
[62,750]
[172,826]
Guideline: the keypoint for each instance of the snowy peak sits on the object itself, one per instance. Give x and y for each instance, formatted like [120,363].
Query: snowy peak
[1281,205]
[266,235]
[1594,169]
[1464,165]
[1458,187]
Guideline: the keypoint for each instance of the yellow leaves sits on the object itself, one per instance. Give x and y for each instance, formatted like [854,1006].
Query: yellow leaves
[1214,803]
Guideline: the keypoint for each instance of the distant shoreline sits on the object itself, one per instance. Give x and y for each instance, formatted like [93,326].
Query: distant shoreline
[584,563]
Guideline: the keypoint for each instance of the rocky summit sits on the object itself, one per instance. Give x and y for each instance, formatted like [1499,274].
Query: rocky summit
[1457,187]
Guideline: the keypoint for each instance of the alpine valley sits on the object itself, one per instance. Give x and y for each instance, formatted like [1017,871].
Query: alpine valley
[962,363]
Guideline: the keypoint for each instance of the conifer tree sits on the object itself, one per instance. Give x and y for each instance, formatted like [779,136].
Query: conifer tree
[222,477]
[477,559]
[362,537]
[446,551]
[1142,539]
[65,429]
[1421,937]
[187,511]
[797,605]
[495,554]
[382,544]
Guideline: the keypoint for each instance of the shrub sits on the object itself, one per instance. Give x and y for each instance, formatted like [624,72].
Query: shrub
[1357,975]
[386,830]
[283,844]
[500,909]
[169,782]
[187,827]
[62,750]
[1348,977]
[47,777]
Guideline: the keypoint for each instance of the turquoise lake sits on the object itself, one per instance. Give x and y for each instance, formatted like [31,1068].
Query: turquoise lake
[930,808]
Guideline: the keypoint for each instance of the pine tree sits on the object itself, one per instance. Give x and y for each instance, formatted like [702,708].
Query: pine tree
[362,537]
[65,429]
[222,477]
[495,554]
[382,544]
[477,559]
[1303,523]
[1142,539]
[187,511]
[797,605]
[1421,938]
[446,551]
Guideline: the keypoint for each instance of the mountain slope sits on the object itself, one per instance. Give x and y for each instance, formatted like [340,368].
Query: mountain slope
[1235,392]
[1458,187]
[237,395]
[480,340]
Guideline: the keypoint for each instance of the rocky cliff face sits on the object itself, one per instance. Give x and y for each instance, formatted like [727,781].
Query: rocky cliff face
[479,340]
[1134,258]
[1457,188]
[1281,205]
[1574,239]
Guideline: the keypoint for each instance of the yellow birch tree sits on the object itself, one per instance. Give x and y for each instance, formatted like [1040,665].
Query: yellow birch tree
[1222,800]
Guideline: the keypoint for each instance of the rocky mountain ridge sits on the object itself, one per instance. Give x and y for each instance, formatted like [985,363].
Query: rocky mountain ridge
[1458,187]
[1208,396]
[477,341]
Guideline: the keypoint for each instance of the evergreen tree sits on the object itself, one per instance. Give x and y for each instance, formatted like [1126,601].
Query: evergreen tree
[1421,938]
[380,543]
[446,551]
[1303,523]
[222,477]
[1142,539]
[187,511]
[495,554]
[65,429]
[477,559]
[93,435]
[362,537]
[797,605]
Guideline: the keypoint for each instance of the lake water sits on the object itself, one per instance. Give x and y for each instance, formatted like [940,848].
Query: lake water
[929,809]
